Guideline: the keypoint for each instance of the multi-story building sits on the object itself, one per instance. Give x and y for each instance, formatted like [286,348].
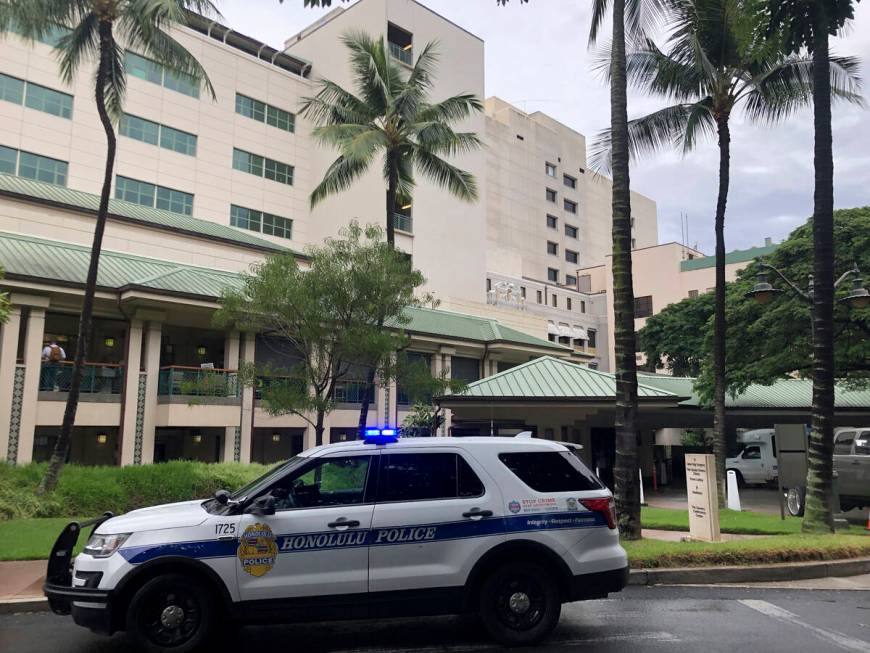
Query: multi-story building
[203,187]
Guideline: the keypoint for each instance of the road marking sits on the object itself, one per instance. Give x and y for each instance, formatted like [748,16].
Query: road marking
[471,648]
[775,612]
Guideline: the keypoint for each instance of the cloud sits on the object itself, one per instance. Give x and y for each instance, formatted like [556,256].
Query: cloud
[536,58]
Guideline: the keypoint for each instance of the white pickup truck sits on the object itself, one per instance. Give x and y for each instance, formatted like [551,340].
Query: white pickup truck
[756,462]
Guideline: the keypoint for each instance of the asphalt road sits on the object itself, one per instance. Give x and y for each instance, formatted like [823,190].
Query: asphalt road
[671,619]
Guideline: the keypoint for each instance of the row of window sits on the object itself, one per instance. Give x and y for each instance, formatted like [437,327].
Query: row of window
[151,71]
[570,255]
[570,230]
[266,113]
[569,205]
[51,36]
[152,195]
[33,166]
[261,166]
[35,96]
[154,133]
[272,225]
[567,180]
[566,340]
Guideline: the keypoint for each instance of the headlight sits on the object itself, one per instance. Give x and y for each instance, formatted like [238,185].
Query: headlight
[102,546]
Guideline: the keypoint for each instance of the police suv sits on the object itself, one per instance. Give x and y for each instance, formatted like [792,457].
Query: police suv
[509,528]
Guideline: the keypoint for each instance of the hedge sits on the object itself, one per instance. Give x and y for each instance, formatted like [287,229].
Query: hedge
[90,491]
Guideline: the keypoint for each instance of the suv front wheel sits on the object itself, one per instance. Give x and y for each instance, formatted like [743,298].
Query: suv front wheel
[520,604]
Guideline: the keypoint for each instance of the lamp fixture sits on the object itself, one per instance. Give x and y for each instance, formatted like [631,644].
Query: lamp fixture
[858,297]
[201,350]
[763,292]
[109,342]
[102,438]
[276,437]
[406,206]
[197,438]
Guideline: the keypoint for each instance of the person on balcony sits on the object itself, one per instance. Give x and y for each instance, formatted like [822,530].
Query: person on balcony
[52,356]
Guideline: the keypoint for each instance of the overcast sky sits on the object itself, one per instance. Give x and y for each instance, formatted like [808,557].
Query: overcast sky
[536,58]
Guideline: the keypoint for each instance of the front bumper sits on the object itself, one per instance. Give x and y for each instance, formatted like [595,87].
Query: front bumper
[598,585]
[91,608]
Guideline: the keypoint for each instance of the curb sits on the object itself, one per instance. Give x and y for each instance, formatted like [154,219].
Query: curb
[754,574]
[13,606]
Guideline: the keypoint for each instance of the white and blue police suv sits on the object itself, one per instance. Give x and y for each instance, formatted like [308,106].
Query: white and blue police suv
[509,528]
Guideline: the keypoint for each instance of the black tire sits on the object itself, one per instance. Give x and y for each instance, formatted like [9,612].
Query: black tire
[795,501]
[520,604]
[172,612]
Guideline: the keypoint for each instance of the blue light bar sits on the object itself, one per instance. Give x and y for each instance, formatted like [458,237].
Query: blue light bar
[372,432]
[380,436]
[388,431]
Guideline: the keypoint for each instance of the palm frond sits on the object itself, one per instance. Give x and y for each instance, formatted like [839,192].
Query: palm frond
[439,138]
[116,82]
[652,71]
[599,13]
[339,177]
[81,43]
[374,74]
[415,89]
[453,109]
[459,182]
[333,105]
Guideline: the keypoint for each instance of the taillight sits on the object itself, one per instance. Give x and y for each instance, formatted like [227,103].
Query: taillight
[605,506]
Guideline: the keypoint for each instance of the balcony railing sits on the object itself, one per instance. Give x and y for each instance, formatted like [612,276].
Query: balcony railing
[177,381]
[398,52]
[98,378]
[351,392]
[403,223]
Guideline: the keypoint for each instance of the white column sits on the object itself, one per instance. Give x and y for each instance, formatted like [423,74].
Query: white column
[33,343]
[153,339]
[9,333]
[132,365]
[231,362]
[247,413]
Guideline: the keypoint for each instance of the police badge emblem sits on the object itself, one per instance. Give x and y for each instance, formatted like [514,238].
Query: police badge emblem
[257,550]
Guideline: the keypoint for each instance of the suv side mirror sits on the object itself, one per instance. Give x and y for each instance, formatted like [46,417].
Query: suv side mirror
[263,506]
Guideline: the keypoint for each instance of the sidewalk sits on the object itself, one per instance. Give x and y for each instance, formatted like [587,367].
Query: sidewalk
[21,580]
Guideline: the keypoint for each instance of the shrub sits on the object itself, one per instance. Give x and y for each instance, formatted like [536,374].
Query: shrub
[89,491]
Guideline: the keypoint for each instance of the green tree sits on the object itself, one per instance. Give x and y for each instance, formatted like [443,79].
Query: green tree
[674,339]
[714,66]
[800,24]
[390,117]
[323,320]
[94,29]
[4,302]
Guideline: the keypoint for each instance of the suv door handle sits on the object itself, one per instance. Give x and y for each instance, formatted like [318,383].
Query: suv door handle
[341,522]
[476,512]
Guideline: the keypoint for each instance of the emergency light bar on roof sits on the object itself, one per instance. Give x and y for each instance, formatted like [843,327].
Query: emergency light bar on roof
[385,435]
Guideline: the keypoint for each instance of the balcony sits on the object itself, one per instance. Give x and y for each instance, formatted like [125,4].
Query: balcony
[403,222]
[403,54]
[97,379]
[180,381]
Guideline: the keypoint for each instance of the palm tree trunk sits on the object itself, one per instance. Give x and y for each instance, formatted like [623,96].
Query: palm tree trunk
[61,447]
[818,515]
[625,468]
[392,190]
[719,445]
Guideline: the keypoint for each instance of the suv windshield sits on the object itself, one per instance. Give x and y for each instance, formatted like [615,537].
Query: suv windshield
[267,478]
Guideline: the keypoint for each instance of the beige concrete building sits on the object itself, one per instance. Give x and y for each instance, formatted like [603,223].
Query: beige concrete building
[205,187]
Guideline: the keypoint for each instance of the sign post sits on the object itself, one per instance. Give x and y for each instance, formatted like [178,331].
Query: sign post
[703,497]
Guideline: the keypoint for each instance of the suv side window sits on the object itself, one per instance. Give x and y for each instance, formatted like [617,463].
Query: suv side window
[338,481]
[752,453]
[862,444]
[426,476]
[551,471]
[843,445]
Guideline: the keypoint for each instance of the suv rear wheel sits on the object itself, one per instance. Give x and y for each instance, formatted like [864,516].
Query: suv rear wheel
[520,604]
[795,501]
[171,612]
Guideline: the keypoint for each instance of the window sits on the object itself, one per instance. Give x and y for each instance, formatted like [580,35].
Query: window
[550,169]
[540,297]
[632,223]
[643,306]
[693,294]
[488,285]
[582,306]
[266,113]
[11,89]
[45,99]
[326,482]
[523,292]
[177,140]
[634,243]
[426,476]
[570,207]
[570,280]
[151,71]
[570,231]
[262,167]
[554,300]
[272,225]
[551,195]
[752,453]
[568,303]
[591,341]
[465,369]
[552,248]
[552,221]
[569,181]
[160,197]
[51,36]
[553,275]
[862,444]
[401,44]
[551,471]
[140,129]
[33,166]
[843,445]
[571,256]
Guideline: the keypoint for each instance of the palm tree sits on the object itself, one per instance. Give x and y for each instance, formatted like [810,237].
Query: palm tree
[100,30]
[709,72]
[808,25]
[628,16]
[390,115]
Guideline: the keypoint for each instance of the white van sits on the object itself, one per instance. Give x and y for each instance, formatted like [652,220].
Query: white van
[756,463]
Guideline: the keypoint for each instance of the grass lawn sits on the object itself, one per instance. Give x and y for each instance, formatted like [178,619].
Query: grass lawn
[32,539]
[731,521]
[647,554]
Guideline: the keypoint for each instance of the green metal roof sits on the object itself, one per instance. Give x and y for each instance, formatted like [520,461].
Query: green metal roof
[53,261]
[783,394]
[737,256]
[39,191]
[551,378]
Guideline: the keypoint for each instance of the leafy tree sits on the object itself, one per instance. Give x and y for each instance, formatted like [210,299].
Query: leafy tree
[323,320]
[94,27]
[675,338]
[422,388]
[714,65]
[800,24]
[4,302]
[390,116]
